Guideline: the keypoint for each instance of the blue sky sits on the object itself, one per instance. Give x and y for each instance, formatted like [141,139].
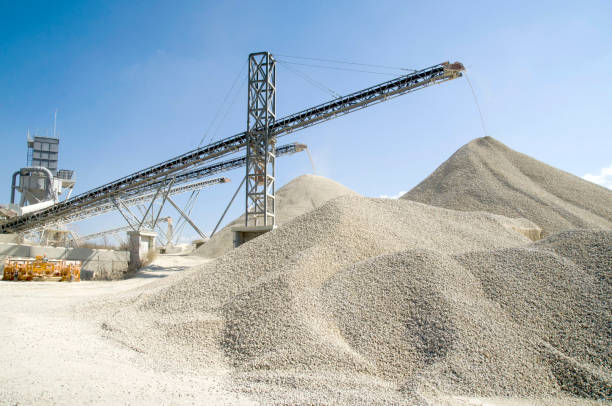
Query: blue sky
[138,82]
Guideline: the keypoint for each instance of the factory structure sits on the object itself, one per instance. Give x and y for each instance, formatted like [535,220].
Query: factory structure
[41,185]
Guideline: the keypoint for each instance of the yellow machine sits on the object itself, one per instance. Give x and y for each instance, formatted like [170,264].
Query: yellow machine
[41,268]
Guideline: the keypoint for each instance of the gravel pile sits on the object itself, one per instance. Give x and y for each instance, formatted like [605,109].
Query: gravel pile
[301,195]
[424,323]
[346,230]
[487,175]
[378,301]
[557,290]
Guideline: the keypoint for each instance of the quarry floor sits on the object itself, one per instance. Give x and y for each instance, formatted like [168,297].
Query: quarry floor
[50,357]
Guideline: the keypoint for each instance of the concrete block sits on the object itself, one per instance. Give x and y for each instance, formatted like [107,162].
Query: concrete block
[12,238]
[244,234]
[51,252]
[80,254]
[14,250]
[95,264]
[141,242]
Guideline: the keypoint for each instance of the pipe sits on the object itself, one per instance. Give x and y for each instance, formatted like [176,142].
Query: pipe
[13,187]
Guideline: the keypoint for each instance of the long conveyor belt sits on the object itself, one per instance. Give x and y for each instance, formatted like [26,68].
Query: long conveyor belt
[107,204]
[164,171]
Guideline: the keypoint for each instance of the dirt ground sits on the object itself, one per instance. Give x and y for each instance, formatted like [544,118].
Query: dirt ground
[49,357]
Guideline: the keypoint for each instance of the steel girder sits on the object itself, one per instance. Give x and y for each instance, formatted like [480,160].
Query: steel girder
[367,97]
[113,231]
[260,156]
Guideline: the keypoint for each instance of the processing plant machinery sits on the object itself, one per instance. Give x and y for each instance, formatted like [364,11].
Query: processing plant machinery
[41,268]
[259,142]
[40,182]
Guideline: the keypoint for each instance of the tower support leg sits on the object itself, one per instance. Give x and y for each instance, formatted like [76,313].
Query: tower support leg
[260,209]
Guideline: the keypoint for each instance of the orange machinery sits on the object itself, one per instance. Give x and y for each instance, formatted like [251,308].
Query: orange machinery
[41,268]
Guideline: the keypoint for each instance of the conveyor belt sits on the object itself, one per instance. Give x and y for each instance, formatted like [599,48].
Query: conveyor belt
[101,206]
[164,171]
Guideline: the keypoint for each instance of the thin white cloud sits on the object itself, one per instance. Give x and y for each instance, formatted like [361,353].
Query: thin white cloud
[395,196]
[604,178]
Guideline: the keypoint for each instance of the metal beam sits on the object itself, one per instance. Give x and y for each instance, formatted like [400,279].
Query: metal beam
[162,203]
[144,193]
[144,217]
[227,207]
[121,212]
[111,231]
[186,217]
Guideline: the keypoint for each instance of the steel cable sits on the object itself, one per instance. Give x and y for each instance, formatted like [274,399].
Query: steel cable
[346,62]
[338,68]
[482,122]
[216,116]
[309,80]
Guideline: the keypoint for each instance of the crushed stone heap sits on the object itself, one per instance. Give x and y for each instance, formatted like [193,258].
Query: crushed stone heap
[487,175]
[379,301]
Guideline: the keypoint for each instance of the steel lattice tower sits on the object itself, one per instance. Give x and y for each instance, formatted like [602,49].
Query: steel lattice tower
[260,188]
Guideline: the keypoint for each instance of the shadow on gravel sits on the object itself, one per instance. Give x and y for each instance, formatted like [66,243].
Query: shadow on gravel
[155,271]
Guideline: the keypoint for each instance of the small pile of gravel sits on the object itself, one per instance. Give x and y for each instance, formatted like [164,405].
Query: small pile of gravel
[301,195]
[487,175]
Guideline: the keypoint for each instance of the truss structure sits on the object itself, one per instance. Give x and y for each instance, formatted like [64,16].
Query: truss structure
[260,154]
[107,203]
[117,230]
[261,121]
[115,203]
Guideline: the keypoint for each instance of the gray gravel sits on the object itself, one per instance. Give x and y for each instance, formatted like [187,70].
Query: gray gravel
[487,175]
[554,290]
[359,301]
[379,301]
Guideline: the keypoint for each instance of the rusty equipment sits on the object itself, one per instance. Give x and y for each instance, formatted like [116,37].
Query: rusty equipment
[41,268]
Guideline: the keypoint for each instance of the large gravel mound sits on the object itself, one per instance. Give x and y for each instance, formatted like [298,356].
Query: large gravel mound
[378,301]
[487,175]
[346,230]
[297,197]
